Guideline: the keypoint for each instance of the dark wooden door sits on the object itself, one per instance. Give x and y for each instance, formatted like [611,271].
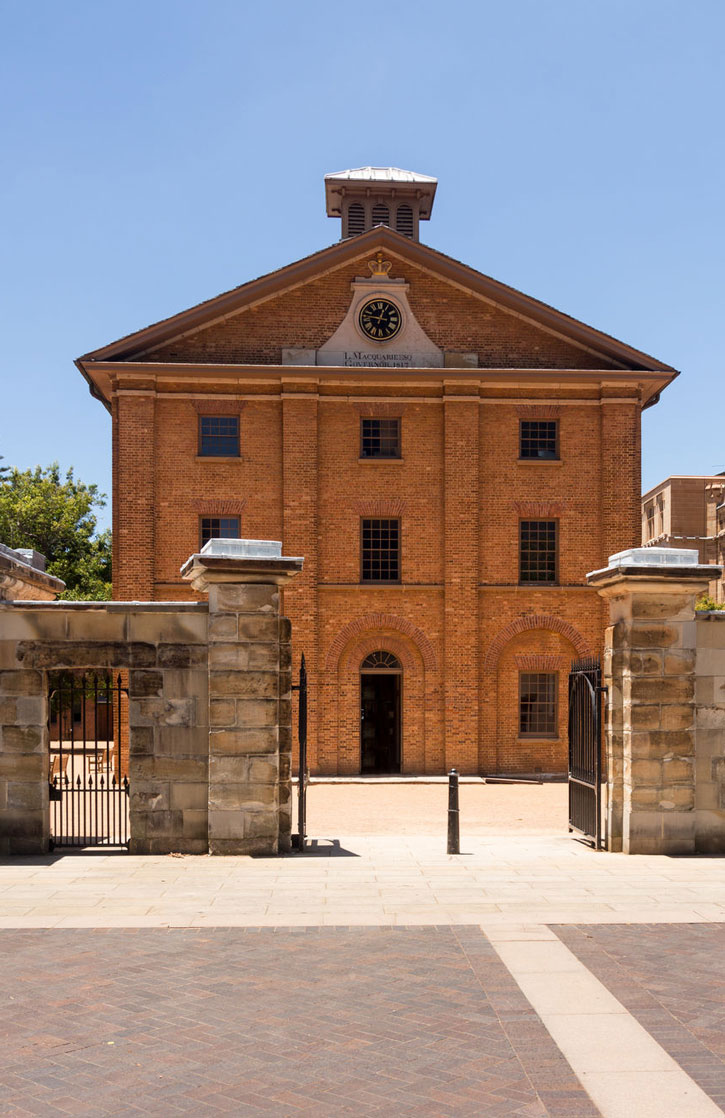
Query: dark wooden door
[380,723]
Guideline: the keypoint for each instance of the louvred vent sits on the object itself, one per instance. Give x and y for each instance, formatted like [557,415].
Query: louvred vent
[355,219]
[404,221]
[381,214]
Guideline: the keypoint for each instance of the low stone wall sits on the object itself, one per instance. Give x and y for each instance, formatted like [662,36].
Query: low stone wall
[664,668]
[710,731]
[197,784]
[162,651]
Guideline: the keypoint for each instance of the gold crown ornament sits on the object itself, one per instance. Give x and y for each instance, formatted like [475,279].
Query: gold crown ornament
[379,267]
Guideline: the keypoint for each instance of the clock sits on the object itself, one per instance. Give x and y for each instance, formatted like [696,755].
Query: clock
[380,320]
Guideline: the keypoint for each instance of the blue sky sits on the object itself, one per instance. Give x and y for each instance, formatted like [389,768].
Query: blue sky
[158,153]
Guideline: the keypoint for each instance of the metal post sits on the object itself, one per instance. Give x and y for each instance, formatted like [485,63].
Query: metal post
[454,841]
[298,840]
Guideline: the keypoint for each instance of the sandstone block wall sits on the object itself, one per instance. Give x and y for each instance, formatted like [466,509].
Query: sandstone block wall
[664,666]
[710,731]
[24,818]
[161,651]
[196,783]
[652,659]
[250,720]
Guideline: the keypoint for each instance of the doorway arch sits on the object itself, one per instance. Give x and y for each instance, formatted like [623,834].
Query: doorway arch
[381,677]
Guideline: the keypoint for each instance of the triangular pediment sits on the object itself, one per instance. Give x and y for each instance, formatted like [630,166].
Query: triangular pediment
[301,306]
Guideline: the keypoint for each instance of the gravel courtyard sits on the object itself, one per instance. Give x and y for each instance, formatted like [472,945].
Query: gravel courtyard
[378,808]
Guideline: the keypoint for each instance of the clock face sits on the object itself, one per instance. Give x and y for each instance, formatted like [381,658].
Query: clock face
[380,320]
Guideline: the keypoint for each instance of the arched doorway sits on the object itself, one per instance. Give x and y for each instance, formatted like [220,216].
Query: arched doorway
[380,731]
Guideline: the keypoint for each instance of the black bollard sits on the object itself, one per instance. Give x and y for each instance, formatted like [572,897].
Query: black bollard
[454,841]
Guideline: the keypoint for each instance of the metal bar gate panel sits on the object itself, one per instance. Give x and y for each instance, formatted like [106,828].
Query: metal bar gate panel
[88,777]
[585,749]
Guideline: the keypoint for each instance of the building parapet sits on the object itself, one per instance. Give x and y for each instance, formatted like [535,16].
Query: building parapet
[23,575]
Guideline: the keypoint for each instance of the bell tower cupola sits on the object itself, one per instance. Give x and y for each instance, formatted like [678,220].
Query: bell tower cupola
[368,196]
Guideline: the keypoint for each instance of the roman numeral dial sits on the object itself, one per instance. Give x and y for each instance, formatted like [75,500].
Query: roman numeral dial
[380,320]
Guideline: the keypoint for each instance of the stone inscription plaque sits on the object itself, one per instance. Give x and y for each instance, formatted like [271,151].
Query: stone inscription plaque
[358,358]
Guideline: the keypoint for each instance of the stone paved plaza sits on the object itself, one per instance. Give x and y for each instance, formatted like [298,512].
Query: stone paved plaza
[375,974]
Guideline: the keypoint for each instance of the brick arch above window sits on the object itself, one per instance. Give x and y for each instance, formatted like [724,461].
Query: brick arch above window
[220,508]
[536,510]
[380,621]
[538,411]
[534,621]
[392,507]
[539,662]
[210,406]
[380,411]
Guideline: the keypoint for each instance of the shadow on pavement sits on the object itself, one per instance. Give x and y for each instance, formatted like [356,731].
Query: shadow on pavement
[315,848]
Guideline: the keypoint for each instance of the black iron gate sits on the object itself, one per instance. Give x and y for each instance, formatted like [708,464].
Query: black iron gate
[298,839]
[585,748]
[88,776]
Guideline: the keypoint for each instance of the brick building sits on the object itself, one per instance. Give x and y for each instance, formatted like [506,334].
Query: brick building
[449,455]
[688,510]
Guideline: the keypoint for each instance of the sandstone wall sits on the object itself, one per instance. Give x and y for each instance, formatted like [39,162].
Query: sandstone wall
[664,668]
[710,731]
[162,652]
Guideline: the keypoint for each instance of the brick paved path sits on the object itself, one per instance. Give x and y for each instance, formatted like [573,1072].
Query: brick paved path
[671,977]
[310,1021]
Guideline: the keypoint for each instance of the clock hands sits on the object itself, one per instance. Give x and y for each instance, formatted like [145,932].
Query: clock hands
[380,322]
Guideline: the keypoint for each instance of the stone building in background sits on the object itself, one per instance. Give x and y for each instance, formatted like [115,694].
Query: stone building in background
[688,511]
[449,455]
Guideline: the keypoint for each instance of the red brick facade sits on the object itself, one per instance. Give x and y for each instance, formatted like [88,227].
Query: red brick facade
[459,622]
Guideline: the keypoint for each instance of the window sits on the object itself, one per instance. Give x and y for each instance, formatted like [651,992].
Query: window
[539,438]
[219,436]
[404,220]
[219,528]
[537,551]
[380,661]
[650,522]
[380,551]
[380,438]
[537,704]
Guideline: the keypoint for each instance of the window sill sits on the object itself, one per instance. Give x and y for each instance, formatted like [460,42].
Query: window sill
[539,585]
[219,458]
[529,738]
[378,460]
[540,461]
[373,582]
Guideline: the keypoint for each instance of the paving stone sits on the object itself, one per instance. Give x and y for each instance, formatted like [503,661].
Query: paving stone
[671,978]
[308,1021]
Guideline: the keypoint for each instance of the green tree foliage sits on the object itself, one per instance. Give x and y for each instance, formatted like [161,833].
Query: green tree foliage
[706,602]
[54,515]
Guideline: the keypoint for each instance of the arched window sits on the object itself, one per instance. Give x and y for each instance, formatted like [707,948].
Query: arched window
[381,214]
[381,660]
[404,220]
[355,219]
